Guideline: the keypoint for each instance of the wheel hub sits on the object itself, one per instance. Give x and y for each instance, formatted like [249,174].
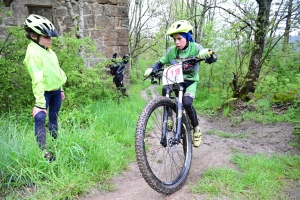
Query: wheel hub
[170,138]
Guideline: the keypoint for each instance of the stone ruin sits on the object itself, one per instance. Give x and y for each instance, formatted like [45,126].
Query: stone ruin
[104,21]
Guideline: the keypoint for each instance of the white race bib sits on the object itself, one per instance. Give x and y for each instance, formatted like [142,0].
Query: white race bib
[173,74]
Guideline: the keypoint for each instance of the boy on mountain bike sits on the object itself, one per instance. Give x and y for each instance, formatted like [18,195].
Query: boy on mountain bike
[46,75]
[181,32]
[117,69]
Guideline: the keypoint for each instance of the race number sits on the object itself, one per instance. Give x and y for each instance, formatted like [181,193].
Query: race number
[173,74]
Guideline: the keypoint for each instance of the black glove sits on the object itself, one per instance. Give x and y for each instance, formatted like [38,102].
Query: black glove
[212,59]
[157,65]
[115,55]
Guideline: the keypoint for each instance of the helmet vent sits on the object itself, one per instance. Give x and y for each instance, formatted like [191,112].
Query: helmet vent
[36,17]
[181,26]
[46,25]
[40,25]
[39,28]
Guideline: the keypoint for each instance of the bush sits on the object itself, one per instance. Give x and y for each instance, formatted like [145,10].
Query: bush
[84,85]
[16,92]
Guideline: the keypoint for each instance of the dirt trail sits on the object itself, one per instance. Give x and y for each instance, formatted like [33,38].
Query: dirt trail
[214,152]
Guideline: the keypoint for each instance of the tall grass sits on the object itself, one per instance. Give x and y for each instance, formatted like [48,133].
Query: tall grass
[262,110]
[94,144]
[257,177]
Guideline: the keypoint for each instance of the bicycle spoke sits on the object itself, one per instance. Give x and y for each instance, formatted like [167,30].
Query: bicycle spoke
[164,166]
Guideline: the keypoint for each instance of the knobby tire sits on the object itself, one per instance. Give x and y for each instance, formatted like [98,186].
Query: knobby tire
[165,169]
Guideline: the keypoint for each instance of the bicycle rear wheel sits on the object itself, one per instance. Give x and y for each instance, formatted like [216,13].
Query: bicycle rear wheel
[164,167]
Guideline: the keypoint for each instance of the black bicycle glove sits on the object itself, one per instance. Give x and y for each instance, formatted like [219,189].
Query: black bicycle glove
[157,65]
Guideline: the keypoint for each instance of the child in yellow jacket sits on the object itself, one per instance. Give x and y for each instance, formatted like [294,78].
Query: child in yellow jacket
[47,77]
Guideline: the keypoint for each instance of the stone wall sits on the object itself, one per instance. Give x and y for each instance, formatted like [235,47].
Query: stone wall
[105,21]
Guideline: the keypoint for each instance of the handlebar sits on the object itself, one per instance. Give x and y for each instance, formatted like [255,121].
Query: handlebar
[156,73]
[188,62]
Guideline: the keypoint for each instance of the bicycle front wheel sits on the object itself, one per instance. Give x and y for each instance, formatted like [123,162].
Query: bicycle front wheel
[164,167]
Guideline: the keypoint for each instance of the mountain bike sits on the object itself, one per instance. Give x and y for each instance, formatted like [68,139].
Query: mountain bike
[163,140]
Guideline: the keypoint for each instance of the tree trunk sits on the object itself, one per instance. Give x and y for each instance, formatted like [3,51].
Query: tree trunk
[288,22]
[135,28]
[198,34]
[255,63]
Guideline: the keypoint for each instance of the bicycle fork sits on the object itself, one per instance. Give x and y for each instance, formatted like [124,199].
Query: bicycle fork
[166,113]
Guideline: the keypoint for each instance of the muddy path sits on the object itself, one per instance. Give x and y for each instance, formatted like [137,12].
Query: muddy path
[215,151]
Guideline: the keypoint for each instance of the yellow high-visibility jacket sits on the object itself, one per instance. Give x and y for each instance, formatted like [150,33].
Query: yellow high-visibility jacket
[45,72]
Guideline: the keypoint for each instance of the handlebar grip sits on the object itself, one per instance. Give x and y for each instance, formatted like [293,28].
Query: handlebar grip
[211,53]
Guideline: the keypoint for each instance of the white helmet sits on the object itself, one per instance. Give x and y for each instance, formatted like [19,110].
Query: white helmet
[40,25]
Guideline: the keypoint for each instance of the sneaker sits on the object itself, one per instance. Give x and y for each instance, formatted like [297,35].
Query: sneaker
[49,156]
[170,124]
[197,138]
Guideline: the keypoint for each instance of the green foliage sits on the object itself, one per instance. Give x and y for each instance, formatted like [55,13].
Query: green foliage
[296,132]
[260,109]
[95,143]
[285,97]
[280,73]
[137,71]
[16,92]
[258,177]
[208,41]
[209,102]
[91,83]
[264,111]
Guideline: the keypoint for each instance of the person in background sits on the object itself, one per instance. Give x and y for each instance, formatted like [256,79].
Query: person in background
[117,69]
[181,32]
[47,78]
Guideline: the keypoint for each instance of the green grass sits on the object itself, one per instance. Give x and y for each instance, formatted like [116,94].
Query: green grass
[94,144]
[210,104]
[257,177]
[207,103]
[228,135]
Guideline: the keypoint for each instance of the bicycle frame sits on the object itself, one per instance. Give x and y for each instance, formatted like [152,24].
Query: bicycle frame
[163,144]
[179,107]
[174,76]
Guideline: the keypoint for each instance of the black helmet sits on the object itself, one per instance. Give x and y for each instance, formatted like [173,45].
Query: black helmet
[125,58]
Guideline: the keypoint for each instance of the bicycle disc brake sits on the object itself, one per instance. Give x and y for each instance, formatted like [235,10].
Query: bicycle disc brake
[170,138]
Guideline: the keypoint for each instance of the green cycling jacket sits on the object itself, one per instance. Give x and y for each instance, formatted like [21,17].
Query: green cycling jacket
[45,72]
[173,55]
